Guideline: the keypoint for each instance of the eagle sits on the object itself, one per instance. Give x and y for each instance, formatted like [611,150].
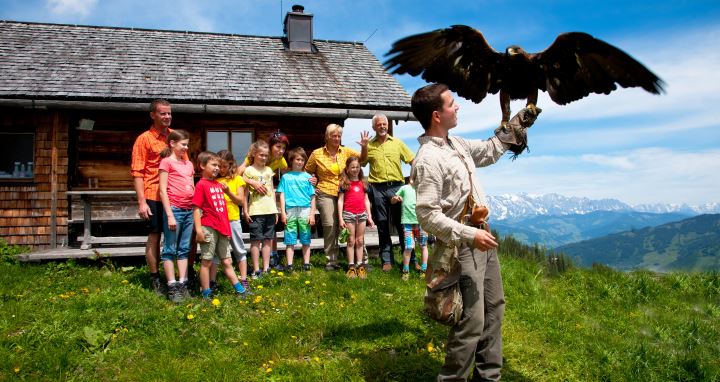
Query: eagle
[573,66]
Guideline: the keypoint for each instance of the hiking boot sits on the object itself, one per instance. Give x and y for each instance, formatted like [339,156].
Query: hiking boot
[361,272]
[405,276]
[184,289]
[157,287]
[351,273]
[289,269]
[387,267]
[306,267]
[331,267]
[175,293]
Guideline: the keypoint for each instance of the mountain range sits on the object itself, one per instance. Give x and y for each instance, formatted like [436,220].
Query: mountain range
[514,207]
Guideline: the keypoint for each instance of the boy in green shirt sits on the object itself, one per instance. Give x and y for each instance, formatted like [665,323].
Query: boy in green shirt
[411,228]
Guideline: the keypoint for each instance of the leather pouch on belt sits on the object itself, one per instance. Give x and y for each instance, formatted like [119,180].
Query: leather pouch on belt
[478,217]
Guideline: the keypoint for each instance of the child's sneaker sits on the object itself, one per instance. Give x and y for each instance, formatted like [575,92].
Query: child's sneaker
[289,269]
[214,287]
[405,276]
[256,275]
[352,272]
[361,272]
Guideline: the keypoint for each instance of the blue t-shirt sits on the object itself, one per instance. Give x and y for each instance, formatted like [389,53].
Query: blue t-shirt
[297,189]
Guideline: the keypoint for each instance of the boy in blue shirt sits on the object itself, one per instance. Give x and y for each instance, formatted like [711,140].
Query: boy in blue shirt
[297,207]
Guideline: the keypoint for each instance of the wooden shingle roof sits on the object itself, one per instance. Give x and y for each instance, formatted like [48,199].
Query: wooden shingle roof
[68,62]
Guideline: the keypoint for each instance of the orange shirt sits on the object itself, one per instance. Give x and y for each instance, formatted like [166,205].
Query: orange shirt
[327,169]
[146,160]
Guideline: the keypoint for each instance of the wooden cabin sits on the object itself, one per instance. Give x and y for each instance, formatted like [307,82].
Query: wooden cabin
[74,98]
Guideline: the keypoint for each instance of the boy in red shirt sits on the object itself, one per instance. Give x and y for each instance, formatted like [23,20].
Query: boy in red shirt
[212,226]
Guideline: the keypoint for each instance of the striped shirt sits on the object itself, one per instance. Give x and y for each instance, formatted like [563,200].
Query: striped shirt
[441,183]
[327,169]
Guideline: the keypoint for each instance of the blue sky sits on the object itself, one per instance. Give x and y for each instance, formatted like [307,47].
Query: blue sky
[631,146]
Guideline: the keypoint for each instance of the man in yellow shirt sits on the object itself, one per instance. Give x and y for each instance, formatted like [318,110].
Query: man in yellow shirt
[385,154]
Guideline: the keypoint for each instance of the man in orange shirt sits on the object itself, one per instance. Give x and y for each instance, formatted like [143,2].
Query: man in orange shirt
[145,171]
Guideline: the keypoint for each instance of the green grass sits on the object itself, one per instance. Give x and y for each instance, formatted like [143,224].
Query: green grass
[98,320]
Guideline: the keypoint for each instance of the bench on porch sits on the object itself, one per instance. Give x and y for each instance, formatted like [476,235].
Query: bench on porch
[114,206]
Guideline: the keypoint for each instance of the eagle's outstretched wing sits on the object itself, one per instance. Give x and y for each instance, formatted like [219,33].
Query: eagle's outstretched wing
[577,64]
[457,56]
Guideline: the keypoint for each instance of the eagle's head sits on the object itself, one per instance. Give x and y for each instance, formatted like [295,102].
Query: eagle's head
[514,50]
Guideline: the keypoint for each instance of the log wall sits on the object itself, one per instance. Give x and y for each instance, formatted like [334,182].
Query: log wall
[35,212]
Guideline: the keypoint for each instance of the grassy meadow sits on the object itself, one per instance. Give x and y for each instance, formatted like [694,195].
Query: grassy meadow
[99,320]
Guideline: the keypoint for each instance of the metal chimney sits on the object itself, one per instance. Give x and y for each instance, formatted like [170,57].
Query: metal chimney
[298,29]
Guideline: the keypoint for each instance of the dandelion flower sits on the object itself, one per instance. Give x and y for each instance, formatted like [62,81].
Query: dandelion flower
[190,317]
[259,287]
[322,303]
[245,344]
[281,274]
[316,359]
[307,282]
[216,302]
[271,362]
[430,347]
[16,370]
[293,337]
[124,281]
[272,271]
[268,370]
[85,290]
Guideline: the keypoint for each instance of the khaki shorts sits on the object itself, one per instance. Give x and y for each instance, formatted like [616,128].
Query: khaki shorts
[216,247]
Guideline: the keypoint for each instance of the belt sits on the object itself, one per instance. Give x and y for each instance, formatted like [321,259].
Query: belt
[388,184]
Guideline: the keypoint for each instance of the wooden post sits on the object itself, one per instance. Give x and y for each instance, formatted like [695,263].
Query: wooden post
[87,221]
[53,179]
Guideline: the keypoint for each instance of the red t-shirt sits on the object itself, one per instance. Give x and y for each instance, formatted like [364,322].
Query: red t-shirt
[180,187]
[354,197]
[210,198]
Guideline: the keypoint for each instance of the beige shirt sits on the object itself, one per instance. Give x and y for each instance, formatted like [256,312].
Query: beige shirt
[442,185]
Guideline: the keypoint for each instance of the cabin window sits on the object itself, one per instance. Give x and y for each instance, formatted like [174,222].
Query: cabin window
[238,142]
[16,157]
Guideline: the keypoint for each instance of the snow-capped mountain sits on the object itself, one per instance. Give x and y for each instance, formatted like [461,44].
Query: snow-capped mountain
[523,205]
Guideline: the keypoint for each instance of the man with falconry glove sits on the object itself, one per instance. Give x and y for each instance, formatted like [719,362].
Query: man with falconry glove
[450,205]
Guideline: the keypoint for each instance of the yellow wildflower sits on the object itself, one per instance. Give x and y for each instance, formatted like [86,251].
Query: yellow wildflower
[268,370]
[259,287]
[430,347]
[85,290]
[281,274]
[124,281]
[16,369]
[190,317]
[307,282]
[216,302]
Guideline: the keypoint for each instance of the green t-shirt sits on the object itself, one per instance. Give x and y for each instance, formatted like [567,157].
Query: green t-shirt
[408,215]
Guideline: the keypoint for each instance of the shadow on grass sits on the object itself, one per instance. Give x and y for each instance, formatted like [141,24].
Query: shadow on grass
[398,363]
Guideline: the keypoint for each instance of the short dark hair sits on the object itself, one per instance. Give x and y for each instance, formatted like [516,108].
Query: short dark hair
[298,151]
[425,101]
[154,104]
[206,156]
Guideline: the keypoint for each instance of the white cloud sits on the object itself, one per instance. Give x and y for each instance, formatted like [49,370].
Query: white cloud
[71,7]
[648,175]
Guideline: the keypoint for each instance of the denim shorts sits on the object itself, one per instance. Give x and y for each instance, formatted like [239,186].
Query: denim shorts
[412,233]
[176,243]
[352,218]
[262,227]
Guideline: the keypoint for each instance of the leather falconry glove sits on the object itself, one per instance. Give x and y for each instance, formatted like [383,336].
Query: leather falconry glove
[515,132]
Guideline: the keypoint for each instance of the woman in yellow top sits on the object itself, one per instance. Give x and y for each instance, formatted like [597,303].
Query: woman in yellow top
[327,163]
